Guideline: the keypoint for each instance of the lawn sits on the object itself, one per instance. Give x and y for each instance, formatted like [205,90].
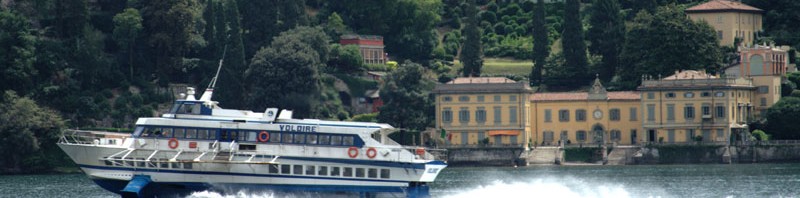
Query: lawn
[503,66]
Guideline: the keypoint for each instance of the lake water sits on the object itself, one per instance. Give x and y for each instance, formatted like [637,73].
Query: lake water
[743,180]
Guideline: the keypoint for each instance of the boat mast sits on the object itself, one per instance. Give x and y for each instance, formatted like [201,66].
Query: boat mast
[210,90]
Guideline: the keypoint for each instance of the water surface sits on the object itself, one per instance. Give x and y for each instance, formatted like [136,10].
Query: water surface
[742,180]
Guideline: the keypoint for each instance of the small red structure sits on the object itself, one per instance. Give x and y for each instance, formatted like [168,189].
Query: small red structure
[371,47]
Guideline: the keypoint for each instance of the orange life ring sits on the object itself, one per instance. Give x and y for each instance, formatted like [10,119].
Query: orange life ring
[352,152]
[420,151]
[173,143]
[371,152]
[263,136]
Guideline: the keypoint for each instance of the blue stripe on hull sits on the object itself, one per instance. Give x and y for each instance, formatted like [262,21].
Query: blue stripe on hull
[181,189]
[233,174]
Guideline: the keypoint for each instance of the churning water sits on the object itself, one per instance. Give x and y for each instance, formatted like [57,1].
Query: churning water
[742,180]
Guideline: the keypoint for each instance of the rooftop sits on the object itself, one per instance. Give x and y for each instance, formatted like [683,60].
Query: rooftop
[483,85]
[723,6]
[690,74]
[577,96]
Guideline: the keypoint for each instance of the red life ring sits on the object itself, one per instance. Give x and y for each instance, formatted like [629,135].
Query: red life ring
[173,143]
[352,152]
[371,152]
[263,136]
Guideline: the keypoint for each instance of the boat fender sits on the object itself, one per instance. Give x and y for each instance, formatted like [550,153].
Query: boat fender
[263,136]
[371,152]
[352,152]
[173,143]
[420,151]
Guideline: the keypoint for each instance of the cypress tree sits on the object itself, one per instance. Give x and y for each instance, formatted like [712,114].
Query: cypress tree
[606,35]
[575,62]
[231,92]
[471,52]
[541,45]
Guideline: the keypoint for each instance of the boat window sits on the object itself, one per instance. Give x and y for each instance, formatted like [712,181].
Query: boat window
[286,169]
[273,168]
[385,174]
[128,162]
[299,138]
[336,140]
[359,172]
[140,162]
[175,107]
[138,132]
[191,133]
[189,108]
[187,165]
[297,169]
[202,134]
[323,170]
[180,133]
[324,139]
[247,147]
[275,137]
[312,138]
[287,138]
[163,163]
[108,162]
[335,171]
[372,173]
[251,136]
[310,170]
[165,132]
[347,140]
[243,136]
[212,134]
[117,161]
[151,164]
[348,172]
[176,165]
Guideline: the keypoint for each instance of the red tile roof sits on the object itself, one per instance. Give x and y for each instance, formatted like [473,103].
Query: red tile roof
[575,96]
[475,80]
[722,5]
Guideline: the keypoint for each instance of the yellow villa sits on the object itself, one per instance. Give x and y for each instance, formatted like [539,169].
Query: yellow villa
[731,20]
[585,118]
[484,110]
[694,106]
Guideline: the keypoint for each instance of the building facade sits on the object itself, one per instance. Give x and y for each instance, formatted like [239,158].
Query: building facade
[766,66]
[370,46]
[586,118]
[730,19]
[483,111]
[694,106]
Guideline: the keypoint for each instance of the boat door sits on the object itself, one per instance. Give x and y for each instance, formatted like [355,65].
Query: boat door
[228,132]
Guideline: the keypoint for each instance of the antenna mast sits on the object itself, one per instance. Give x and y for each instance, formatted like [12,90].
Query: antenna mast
[210,90]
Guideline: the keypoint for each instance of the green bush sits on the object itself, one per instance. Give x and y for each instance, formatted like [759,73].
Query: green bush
[760,135]
[369,117]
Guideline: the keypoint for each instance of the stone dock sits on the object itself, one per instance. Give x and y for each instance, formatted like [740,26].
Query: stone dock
[624,155]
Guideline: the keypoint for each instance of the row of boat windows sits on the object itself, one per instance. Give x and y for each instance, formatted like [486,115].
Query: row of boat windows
[284,169]
[154,163]
[248,136]
[333,171]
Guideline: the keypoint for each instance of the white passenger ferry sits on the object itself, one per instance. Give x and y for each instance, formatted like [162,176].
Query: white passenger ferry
[199,146]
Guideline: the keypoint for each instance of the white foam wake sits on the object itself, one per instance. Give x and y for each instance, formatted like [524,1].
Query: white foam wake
[211,194]
[543,188]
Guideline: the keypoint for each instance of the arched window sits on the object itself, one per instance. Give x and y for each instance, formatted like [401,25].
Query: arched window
[756,65]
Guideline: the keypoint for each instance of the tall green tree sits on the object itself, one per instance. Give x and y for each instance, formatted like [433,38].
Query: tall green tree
[406,96]
[260,24]
[127,26]
[335,26]
[231,81]
[606,35]
[292,13]
[169,25]
[682,44]
[285,74]
[471,52]
[541,43]
[71,16]
[782,119]
[26,131]
[573,46]
[17,53]
[780,19]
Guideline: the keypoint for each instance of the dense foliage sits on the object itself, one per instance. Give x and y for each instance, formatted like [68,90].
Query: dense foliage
[471,52]
[782,119]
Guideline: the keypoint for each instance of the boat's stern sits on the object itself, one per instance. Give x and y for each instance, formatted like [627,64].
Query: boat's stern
[432,169]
